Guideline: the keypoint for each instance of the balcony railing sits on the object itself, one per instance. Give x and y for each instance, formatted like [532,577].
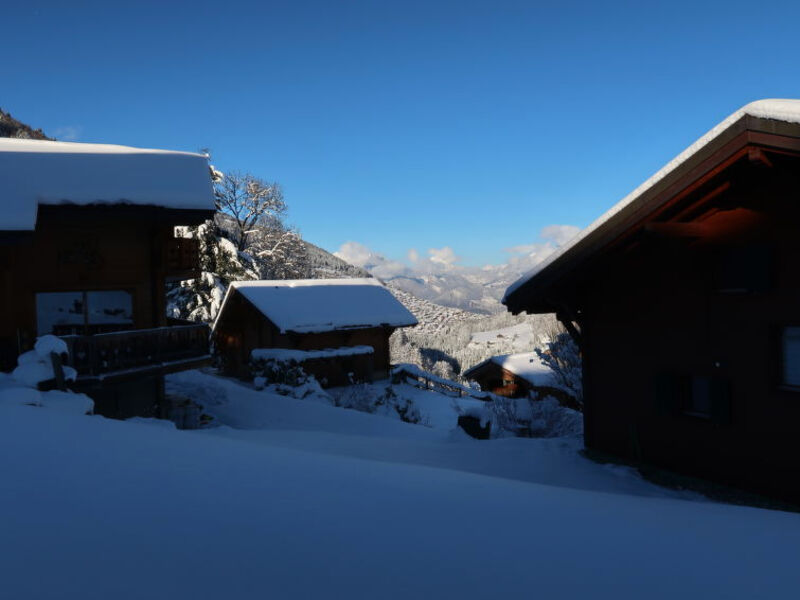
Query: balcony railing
[121,353]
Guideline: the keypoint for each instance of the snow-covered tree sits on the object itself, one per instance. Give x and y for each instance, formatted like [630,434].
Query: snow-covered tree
[562,355]
[249,201]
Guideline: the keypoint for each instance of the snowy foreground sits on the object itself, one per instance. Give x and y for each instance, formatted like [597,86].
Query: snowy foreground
[297,499]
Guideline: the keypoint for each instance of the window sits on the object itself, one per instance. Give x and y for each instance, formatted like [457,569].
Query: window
[697,400]
[66,313]
[702,396]
[790,354]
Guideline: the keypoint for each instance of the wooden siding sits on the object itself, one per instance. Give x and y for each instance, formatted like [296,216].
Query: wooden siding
[87,249]
[654,309]
[243,328]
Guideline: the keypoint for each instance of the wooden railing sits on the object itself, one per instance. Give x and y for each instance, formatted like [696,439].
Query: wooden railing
[133,350]
[415,376]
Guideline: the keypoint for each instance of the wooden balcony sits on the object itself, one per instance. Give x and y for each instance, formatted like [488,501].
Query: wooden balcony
[128,354]
[182,258]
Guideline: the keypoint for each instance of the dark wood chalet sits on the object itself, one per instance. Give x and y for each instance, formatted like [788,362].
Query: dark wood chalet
[519,376]
[87,246]
[685,302]
[344,317]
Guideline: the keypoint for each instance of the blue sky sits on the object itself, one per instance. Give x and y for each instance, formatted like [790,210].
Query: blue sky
[402,125]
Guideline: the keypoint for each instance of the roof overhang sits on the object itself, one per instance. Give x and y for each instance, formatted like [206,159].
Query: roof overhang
[536,292]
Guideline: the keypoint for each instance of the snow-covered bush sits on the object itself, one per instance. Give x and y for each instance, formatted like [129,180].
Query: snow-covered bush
[528,417]
[287,378]
[564,359]
[364,398]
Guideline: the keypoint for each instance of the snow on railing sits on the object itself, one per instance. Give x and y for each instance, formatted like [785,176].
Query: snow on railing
[422,379]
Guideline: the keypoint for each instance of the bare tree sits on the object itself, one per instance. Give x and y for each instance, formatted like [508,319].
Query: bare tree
[250,201]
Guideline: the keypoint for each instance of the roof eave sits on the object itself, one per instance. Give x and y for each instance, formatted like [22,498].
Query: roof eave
[536,295]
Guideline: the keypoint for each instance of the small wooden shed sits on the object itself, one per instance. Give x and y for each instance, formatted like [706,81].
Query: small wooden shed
[330,319]
[518,376]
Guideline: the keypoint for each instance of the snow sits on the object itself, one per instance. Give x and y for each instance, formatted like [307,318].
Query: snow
[293,499]
[778,109]
[38,172]
[286,355]
[36,366]
[526,365]
[519,337]
[47,344]
[16,393]
[318,305]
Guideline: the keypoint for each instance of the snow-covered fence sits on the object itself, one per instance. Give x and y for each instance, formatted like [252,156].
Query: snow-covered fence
[415,376]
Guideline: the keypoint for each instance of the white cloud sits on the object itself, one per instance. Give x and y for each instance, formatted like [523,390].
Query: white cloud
[361,256]
[443,256]
[559,234]
[444,261]
[355,253]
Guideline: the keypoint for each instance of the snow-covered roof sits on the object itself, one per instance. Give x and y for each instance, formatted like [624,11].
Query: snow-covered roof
[317,305]
[527,366]
[34,172]
[785,110]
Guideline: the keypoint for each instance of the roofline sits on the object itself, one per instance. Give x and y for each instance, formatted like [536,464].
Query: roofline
[235,285]
[693,164]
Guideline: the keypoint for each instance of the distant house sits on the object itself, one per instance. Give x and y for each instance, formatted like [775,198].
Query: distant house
[519,376]
[87,247]
[685,301]
[335,327]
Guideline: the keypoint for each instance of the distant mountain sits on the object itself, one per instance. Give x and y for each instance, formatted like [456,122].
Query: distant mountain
[324,265]
[474,290]
[11,127]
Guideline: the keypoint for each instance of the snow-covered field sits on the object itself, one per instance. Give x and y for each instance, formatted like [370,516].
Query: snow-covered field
[298,499]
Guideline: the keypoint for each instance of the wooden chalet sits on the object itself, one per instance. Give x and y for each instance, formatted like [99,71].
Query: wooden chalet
[342,324]
[87,247]
[519,376]
[685,301]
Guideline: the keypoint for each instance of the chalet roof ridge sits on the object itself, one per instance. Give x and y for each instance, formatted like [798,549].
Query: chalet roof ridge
[372,281]
[59,147]
[786,110]
[319,305]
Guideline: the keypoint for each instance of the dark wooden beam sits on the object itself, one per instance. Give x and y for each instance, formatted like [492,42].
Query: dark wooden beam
[677,230]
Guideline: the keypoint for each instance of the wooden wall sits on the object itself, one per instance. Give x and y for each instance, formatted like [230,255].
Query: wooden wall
[242,328]
[656,308]
[84,249]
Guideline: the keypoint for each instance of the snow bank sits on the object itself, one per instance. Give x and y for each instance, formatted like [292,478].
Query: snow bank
[318,305]
[355,509]
[13,392]
[286,355]
[42,172]
[778,109]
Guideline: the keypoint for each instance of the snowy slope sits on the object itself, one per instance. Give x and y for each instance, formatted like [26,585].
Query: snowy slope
[318,502]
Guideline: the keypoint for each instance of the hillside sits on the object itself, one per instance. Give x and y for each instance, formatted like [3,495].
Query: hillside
[432,317]
[321,264]
[11,127]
